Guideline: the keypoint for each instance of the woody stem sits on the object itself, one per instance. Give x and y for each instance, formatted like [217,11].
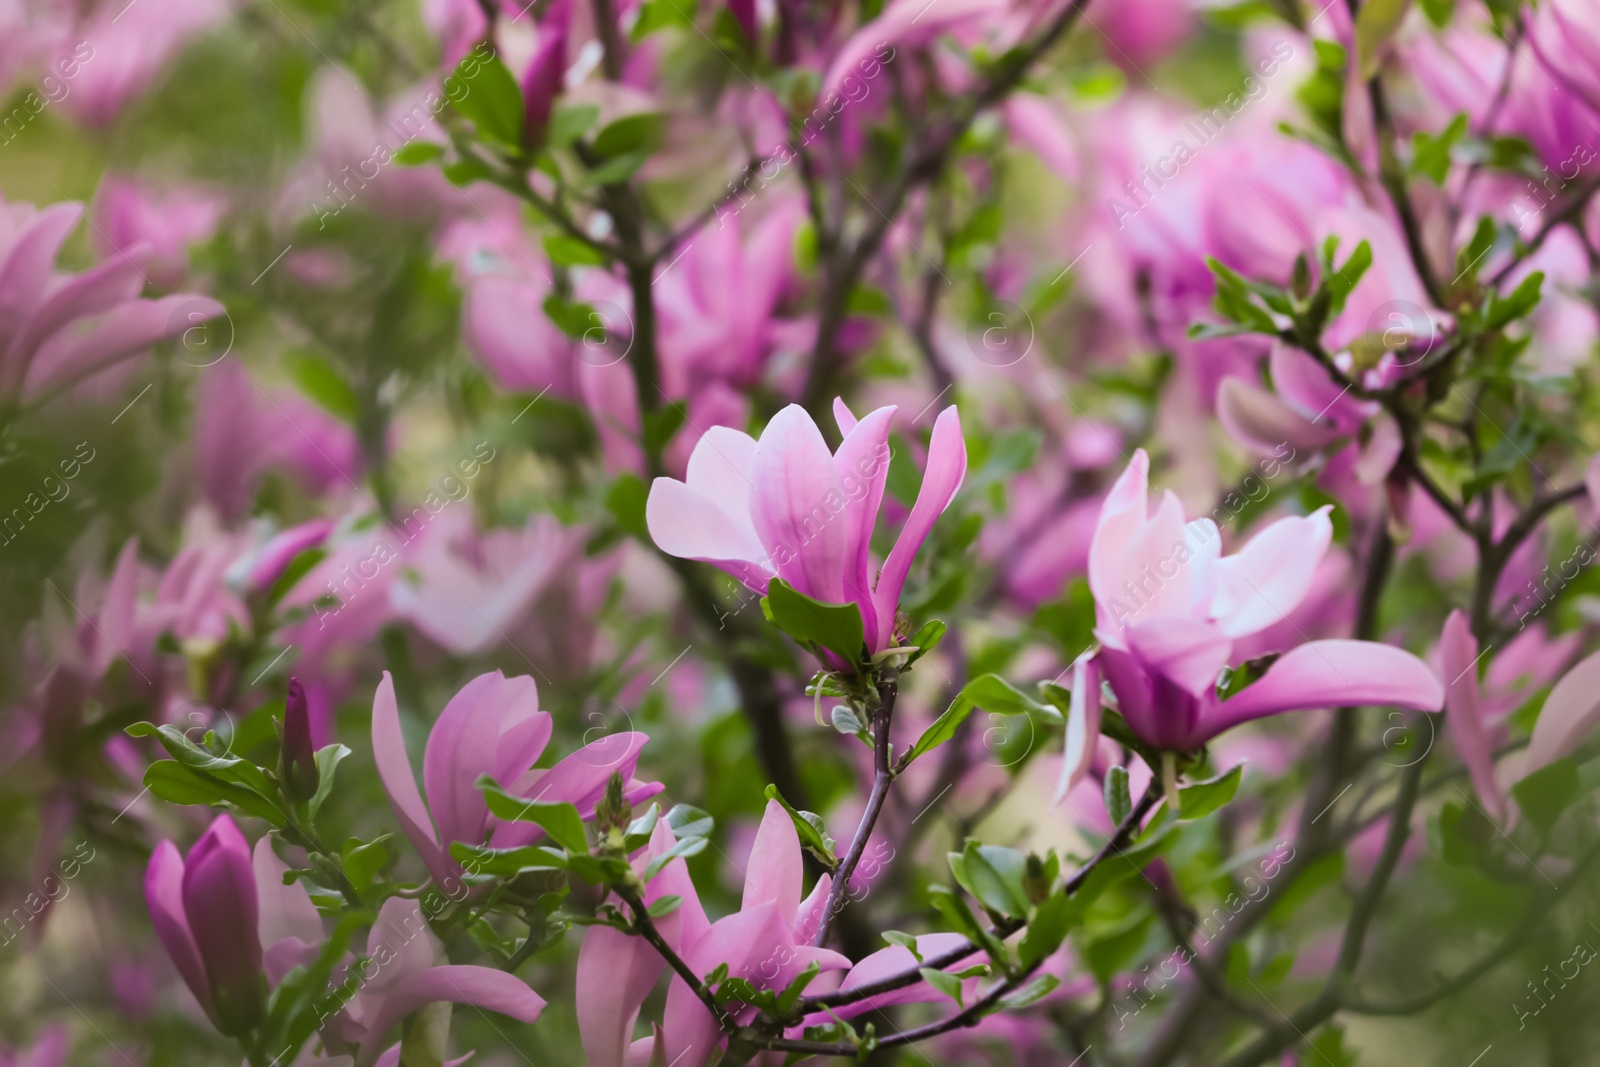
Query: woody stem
[882,776]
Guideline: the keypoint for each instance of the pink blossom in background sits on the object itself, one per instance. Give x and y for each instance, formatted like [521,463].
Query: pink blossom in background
[58,328]
[131,44]
[129,214]
[492,726]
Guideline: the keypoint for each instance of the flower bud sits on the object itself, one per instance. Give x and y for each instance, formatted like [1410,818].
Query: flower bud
[206,913]
[297,759]
[546,71]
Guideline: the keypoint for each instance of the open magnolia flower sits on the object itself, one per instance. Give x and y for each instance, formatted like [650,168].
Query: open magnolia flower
[1169,607]
[785,507]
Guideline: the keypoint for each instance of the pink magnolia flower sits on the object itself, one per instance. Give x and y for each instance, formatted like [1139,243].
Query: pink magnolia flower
[468,591]
[205,912]
[492,726]
[717,300]
[242,430]
[1170,606]
[58,328]
[128,214]
[405,967]
[617,971]
[785,507]
[766,942]
[130,47]
[1565,35]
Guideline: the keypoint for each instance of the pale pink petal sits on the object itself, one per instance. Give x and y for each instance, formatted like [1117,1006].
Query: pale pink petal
[1267,578]
[796,505]
[394,770]
[863,465]
[947,467]
[1186,651]
[1463,708]
[483,987]
[774,871]
[1332,674]
[1570,713]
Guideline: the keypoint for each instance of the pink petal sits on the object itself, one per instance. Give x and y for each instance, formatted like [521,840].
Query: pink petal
[1188,652]
[482,987]
[394,770]
[95,290]
[26,270]
[579,779]
[796,503]
[1332,674]
[1083,726]
[774,871]
[286,910]
[863,466]
[1263,423]
[1122,513]
[947,467]
[124,331]
[163,893]
[616,971]
[1267,578]
[886,963]
[1569,714]
[463,746]
[1463,709]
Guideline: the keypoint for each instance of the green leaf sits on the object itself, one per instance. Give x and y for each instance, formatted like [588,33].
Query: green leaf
[328,759]
[1109,953]
[662,424]
[1432,154]
[1048,928]
[942,729]
[945,983]
[229,769]
[1439,12]
[417,153]
[1504,310]
[640,830]
[558,819]
[177,784]
[1376,22]
[926,639]
[905,941]
[568,124]
[364,859]
[1118,802]
[484,862]
[574,318]
[1202,798]
[316,378]
[1036,990]
[688,846]
[466,170]
[1547,792]
[993,875]
[639,133]
[658,15]
[836,627]
[664,906]
[1346,277]
[567,251]
[688,821]
[493,101]
[811,837]
[953,907]
[626,500]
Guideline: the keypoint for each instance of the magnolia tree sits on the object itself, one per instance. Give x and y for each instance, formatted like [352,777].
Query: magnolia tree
[657,534]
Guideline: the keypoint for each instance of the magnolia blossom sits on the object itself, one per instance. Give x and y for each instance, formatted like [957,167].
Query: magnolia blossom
[492,726]
[1169,607]
[205,911]
[785,507]
[766,942]
[56,328]
[405,968]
